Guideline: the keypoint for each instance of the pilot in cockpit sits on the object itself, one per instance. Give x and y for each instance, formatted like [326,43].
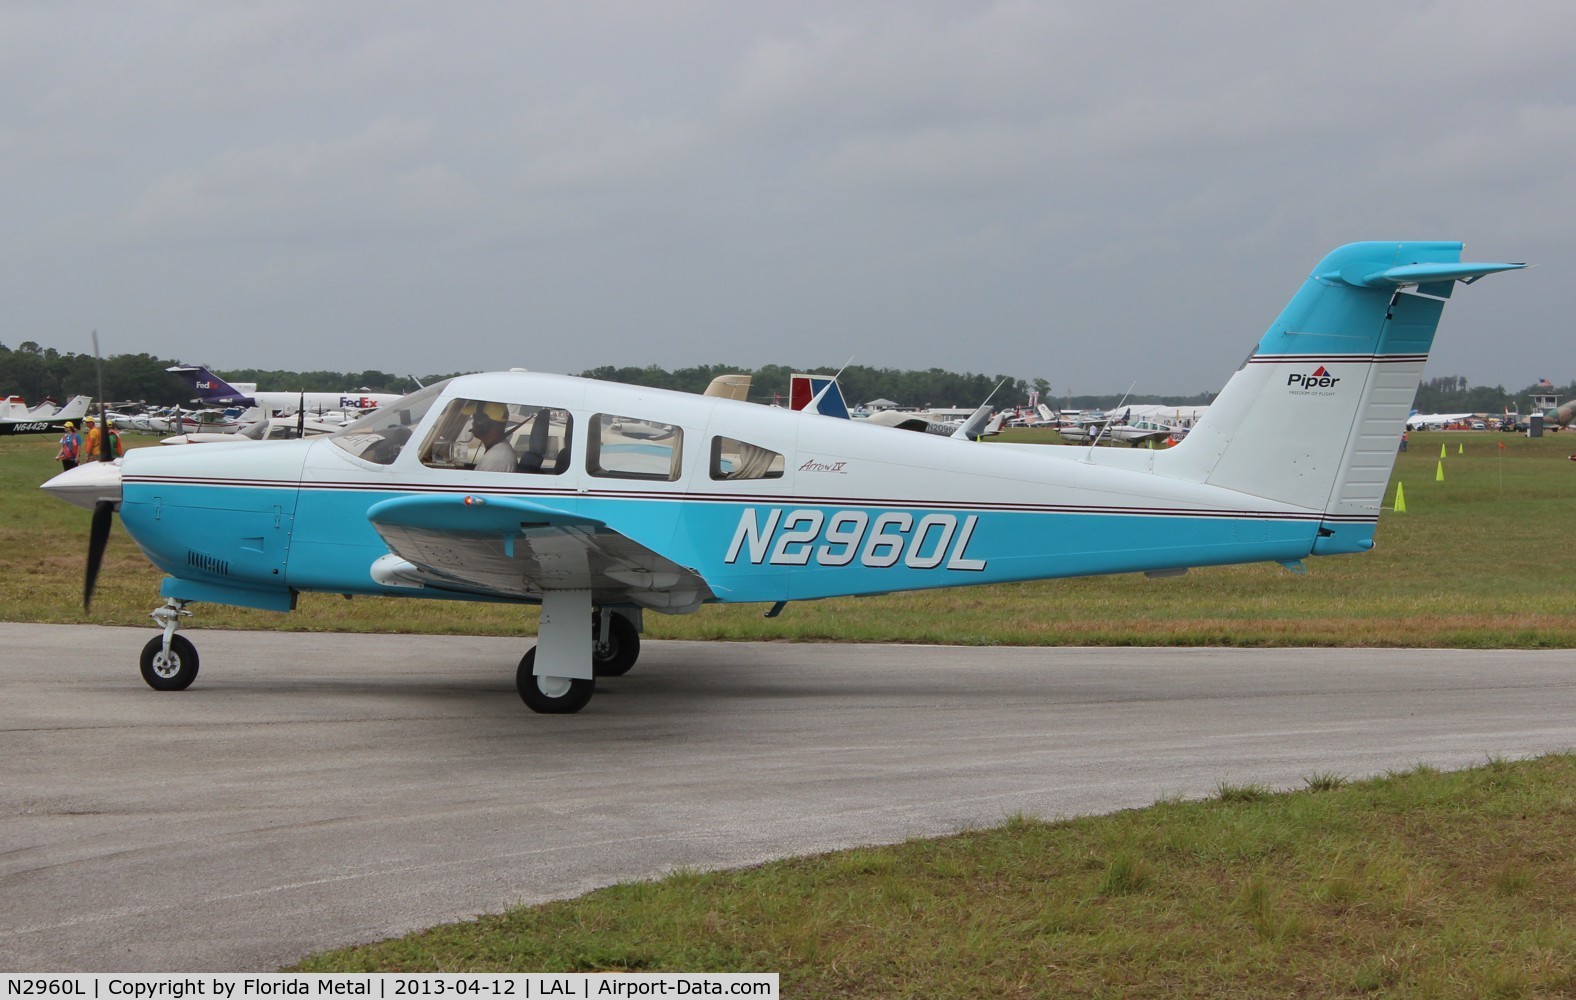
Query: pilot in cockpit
[489,427]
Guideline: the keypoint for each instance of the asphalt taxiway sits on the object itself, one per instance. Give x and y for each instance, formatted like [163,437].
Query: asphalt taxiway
[315,790]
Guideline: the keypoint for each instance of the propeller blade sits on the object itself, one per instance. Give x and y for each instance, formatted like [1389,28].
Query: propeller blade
[98,538]
[106,449]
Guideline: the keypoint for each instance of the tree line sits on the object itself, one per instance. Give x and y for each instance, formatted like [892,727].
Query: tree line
[34,372]
[1451,394]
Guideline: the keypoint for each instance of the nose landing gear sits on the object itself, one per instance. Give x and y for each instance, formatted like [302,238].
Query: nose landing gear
[169,661]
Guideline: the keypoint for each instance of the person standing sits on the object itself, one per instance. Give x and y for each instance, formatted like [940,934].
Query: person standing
[70,447]
[90,441]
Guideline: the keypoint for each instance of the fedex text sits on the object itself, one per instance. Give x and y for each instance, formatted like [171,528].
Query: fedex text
[878,540]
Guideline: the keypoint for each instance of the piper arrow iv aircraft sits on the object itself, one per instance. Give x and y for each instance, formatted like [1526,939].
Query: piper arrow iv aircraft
[530,488]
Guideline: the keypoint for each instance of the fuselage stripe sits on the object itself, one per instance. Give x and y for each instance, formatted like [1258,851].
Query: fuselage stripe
[1380,359]
[547,494]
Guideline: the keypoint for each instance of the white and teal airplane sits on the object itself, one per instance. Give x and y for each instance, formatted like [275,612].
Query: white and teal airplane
[537,489]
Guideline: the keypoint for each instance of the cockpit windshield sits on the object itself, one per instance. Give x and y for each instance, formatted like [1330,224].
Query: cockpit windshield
[379,436]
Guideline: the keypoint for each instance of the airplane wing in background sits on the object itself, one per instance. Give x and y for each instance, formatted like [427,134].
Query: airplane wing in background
[514,548]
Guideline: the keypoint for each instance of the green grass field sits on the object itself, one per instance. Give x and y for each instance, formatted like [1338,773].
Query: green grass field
[1418,885]
[1478,560]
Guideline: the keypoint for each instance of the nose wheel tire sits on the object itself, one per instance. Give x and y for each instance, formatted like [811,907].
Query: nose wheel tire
[550,695]
[172,671]
[614,657]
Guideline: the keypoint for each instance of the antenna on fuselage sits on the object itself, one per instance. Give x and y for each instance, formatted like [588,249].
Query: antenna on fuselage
[1096,439]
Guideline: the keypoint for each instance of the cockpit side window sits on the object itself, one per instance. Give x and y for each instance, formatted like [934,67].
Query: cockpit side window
[490,436]
[732,459]
[381,435]
[631,448]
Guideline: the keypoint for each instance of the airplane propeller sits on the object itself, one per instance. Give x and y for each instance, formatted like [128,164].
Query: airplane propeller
[103,510]
[98,538]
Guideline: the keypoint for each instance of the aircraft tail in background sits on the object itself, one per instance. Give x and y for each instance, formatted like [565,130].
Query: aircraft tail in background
[210,388]
[803,390]
[75,409]
[728,387]
[1314,416]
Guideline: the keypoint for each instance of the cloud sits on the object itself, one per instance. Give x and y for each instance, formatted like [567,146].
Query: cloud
[359,187]
[1054,189]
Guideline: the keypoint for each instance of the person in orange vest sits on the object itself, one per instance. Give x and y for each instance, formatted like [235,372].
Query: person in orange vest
[90,441]
[93,447]
[70,446]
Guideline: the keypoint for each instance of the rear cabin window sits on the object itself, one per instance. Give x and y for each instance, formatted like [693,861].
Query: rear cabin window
[489,436]
[631,448]
[732,459]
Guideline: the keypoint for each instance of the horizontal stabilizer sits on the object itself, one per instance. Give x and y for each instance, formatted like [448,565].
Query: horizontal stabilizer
[1416,274]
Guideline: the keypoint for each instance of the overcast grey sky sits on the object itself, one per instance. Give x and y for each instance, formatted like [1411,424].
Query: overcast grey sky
[1094,193]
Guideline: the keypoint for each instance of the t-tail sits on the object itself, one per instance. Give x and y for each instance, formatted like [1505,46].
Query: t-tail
[1314,416]
[210,388]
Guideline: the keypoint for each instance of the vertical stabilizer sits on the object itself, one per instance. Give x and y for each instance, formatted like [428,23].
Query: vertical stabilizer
[209,388]
[820,391]
[1314,416]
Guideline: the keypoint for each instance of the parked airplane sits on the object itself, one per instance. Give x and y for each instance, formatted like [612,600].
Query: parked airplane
[1134,432]
[260,429]
[212,390]
[1434,421]
[824,395]
[1560,416]
[43,418]
[516,487]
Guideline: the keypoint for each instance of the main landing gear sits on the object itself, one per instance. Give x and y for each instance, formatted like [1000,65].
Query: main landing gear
[558,675]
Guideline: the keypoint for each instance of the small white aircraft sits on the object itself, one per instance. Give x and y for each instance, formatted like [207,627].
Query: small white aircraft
[1130,432]
[521,487]
[823,394]
[1434,421]
[45,418]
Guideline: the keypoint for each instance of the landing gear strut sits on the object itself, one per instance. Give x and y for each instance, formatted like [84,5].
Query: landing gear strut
[615,645]
[558,676]
[169,661]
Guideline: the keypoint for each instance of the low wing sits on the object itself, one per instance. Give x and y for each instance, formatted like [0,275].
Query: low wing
[511,548]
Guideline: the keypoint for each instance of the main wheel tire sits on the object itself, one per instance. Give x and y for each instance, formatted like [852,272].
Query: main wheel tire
[551,695]
[174,671]
[619,653]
